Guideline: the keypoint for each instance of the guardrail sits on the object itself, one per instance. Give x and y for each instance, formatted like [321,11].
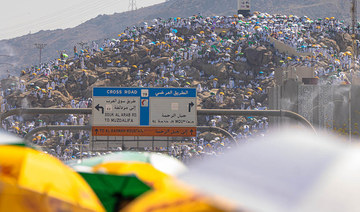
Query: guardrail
[19,111]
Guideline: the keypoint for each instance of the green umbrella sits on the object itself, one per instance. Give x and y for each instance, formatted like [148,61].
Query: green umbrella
[112,188]
[214,47]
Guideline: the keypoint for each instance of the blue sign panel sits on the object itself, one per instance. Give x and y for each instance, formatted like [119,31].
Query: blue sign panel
[180,100]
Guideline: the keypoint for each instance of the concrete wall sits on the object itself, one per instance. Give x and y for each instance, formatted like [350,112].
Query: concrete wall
[295,73]
[286,49]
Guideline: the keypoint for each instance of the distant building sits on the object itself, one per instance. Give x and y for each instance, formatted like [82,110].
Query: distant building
[328,107]
[244,7]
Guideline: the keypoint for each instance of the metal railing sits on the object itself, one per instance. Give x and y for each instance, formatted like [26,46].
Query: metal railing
[228,112]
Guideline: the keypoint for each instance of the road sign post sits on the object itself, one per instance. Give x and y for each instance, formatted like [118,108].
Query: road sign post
[167,112]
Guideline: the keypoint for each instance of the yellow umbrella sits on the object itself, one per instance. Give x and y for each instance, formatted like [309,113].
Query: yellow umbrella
[179,197]
[108,61]
[348,53]
[134,66]
[144,171]
[257,27]
[107,72]
[50,88]
[34,181]
[118,61]
[259,88]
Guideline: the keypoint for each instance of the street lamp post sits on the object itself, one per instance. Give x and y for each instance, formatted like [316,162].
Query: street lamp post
[40,46]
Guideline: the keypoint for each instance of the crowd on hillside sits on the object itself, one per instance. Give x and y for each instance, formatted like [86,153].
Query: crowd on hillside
[209,40]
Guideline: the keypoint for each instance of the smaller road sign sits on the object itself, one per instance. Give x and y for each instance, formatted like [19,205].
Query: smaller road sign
[144,131]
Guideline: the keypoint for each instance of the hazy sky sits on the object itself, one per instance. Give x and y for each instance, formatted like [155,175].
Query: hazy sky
[20,17]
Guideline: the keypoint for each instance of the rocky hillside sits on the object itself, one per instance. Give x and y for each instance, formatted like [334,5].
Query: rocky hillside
[230,60]
[23,52]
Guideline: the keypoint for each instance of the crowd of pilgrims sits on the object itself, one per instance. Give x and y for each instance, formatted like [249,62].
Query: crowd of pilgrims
[212,40]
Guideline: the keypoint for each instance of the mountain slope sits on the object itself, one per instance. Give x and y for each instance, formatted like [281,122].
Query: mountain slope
[23,52]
